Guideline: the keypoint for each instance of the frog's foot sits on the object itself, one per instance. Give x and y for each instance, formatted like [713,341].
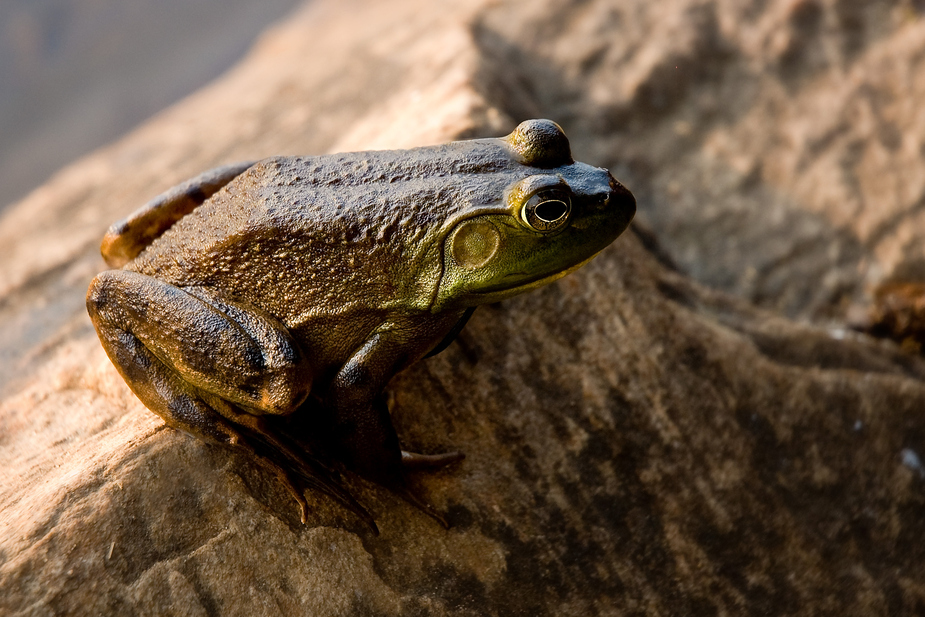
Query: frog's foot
[254,451]
[411,461]
[408,495]
[310,472]
[297,472]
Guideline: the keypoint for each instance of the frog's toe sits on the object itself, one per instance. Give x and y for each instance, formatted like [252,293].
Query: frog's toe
[300,470]
[303,510]
[408,495]
[292,486]
[413,460]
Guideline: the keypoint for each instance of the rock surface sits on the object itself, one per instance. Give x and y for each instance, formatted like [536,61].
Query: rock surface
[777,146]
[638,444]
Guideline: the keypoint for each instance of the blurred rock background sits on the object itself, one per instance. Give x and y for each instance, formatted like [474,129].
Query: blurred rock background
[777,147]
[75,74]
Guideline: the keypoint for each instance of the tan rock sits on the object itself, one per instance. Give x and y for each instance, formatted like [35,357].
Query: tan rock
[637,444]
[776,146]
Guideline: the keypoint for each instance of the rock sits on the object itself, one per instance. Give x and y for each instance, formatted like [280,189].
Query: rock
[636,443]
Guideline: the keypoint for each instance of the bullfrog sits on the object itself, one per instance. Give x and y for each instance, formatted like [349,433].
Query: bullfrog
[304,284]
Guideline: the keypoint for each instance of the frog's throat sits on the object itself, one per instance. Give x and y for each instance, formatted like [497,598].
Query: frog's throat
[545,280]
[495,295]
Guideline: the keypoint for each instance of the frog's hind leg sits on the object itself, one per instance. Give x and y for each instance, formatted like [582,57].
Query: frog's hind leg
[125,239]
[179,404]
[311,471]
[226,348]
[202,365]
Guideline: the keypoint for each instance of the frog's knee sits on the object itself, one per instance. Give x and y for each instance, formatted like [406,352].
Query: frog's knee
[284,391]
[285,375]
[96,289]
[99,293]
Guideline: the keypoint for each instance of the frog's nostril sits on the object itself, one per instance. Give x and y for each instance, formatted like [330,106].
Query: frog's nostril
[622,200]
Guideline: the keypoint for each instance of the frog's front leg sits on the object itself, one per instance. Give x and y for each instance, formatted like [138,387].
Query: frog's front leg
[367,438]
[208,366]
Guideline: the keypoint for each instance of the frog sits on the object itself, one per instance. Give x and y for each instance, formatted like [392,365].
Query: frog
[304,284]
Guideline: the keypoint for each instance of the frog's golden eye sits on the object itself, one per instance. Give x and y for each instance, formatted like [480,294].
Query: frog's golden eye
[547,210]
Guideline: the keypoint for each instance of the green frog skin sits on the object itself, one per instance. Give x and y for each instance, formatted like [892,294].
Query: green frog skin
[304,284]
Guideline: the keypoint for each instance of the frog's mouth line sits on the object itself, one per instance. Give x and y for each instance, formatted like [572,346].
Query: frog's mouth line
[544,280]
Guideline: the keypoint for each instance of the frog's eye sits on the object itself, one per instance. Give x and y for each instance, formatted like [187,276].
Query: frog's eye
[547,210]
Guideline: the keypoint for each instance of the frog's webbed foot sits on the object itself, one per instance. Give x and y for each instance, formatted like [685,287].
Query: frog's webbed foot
[256,452]
[308,471]
[297,472]
[408,495]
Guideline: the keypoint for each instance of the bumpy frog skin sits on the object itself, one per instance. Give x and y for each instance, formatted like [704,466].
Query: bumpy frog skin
[304,284]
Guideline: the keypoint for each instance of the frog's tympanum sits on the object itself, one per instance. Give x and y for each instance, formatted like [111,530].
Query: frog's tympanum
[304,284]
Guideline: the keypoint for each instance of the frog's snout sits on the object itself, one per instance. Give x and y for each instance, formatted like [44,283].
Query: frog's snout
[621,201]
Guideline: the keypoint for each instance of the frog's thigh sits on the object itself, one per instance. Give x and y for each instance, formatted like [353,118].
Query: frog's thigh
[226,349]
[157,386]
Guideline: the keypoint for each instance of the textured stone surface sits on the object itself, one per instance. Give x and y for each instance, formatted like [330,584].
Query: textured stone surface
[637,444]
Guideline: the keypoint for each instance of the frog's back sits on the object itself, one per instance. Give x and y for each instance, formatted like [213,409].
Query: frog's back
[314,227]
[126,238]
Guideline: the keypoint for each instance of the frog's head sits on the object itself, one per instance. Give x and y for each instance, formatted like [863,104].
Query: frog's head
[554,216]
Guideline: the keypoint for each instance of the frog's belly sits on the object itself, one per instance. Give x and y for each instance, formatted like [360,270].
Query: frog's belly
[329,340]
